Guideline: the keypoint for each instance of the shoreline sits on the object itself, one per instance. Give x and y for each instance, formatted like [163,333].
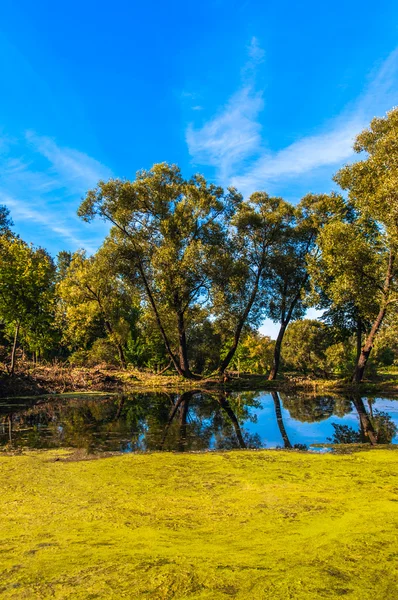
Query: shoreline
[43,380]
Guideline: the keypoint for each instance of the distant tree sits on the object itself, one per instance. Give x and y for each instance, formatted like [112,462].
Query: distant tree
[91,291]
[26,291]
[5,220]
[305,346]
[346,322]
[254,353]
[64,259]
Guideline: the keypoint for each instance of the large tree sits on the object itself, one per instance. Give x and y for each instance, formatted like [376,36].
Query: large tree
[365,250]
[286,282]
[170,231]
[256,228]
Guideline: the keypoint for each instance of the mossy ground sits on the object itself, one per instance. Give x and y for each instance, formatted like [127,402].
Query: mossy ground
[245,524]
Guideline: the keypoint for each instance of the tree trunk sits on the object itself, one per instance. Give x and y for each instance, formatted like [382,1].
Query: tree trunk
[14,349]
[367,348]
[359,338]
[284,323]
[183,349]
[230,354]
[277,353]
[182,438]
[117,345]
[122,358]
[366,424]
[185,397]
[152,302]
[227,407]
[278,412]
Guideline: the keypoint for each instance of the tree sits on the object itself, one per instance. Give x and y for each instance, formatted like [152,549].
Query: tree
[90,290]
[26,290]
[170,232]
[254,353]
[286,283]
[372,185]
[305,346]
[349,269]
[5,220]
[257,225]
[345,321]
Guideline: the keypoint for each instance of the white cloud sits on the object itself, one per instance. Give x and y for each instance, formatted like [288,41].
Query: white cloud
[256,53]
[231,136]
[43,183]
[232,141]
[74,168]
[22,211]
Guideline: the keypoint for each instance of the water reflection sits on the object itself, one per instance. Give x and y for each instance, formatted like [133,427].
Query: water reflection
[194,421]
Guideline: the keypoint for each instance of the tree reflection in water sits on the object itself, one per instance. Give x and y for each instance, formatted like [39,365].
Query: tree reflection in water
[190,421]
[279,419]
[376,427]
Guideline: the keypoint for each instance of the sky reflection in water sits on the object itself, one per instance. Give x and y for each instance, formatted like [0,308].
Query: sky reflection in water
[192,421]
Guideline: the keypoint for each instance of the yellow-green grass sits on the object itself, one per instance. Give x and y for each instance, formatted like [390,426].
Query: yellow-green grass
[245,524]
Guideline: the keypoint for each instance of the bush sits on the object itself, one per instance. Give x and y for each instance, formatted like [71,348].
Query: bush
[78,358]
[102,351]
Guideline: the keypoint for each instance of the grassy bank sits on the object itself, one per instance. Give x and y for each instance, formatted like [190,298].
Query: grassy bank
[247,525]
[60,379]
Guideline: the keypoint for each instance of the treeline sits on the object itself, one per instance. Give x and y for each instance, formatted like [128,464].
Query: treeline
[189,271]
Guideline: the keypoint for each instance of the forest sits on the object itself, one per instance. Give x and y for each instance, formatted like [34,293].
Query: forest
[189,271]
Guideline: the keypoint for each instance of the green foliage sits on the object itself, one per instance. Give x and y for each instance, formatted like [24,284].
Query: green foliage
[170,232]
[254,354]
[384,426]
[146,349]
[350,265]
[341,358]
[79,358]
[5,220]
[102,351]
[27,299]
[93,294]
[257,226]
[344,434]
[305,346]
[372,182]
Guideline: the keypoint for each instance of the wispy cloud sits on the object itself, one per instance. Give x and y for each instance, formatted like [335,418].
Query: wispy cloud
[23,212]
[75,169]
[232,141]
[234,134]
[42,183]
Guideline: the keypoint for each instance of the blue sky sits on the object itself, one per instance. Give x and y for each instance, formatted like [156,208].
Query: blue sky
[257,94]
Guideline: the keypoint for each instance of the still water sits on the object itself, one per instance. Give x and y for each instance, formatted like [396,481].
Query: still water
[195,421]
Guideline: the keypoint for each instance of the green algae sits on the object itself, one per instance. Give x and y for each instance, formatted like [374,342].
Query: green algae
[242,524]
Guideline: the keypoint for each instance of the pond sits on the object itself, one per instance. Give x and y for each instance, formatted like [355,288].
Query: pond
[195,421]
